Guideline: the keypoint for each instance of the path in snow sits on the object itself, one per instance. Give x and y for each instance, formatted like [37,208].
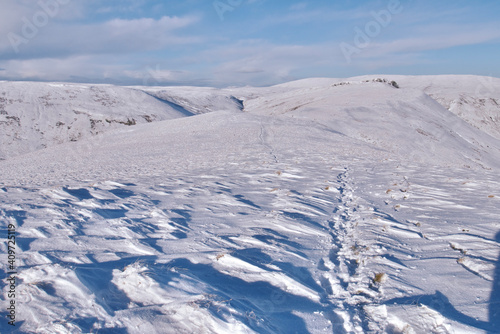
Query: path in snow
[245,242]
[295,249]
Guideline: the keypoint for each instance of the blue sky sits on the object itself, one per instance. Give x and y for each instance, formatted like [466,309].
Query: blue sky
[244,42]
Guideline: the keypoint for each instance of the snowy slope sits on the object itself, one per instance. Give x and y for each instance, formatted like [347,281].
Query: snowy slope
[37,115]
[326,206]
[402,122]
[197,100]
[473,98]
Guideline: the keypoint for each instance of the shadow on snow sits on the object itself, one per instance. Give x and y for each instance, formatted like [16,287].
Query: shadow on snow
[440,303]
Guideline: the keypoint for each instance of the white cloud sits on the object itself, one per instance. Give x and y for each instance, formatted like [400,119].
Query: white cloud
[93,68]
[260,62]
[11,15]
[432,37]
[54,69]
[156,75]
[115,36]
[13,12]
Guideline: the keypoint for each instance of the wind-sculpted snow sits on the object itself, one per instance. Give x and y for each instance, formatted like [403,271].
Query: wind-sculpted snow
[321,208]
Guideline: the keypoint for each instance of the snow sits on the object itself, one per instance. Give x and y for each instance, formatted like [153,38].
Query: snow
[316,206]
[38,115]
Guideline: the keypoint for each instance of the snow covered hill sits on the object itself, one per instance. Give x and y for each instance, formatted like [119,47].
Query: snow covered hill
[400,122]
[38,115]
[322,206]
[473,98]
